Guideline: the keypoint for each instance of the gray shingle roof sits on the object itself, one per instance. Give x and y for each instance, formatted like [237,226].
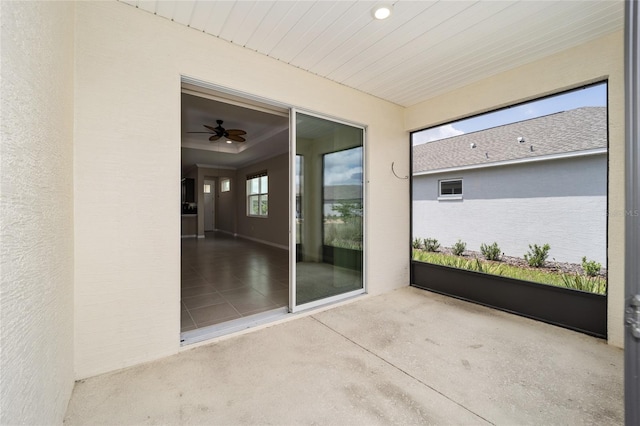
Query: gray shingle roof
[570,131]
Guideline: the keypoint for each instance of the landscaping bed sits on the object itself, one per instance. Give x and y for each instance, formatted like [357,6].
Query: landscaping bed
[581,311]
[561,274]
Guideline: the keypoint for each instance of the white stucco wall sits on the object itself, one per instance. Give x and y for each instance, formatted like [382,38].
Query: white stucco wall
[127,173]
[36,212]
[562,203]
[594,61]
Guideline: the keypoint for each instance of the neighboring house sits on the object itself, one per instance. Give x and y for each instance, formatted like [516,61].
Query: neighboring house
[542,180]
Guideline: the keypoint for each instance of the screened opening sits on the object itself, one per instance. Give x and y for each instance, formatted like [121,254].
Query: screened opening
[535,191]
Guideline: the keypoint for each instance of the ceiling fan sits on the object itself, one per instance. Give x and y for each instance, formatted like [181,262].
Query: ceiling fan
[220,132]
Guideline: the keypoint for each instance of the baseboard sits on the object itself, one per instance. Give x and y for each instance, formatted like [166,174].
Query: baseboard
[257,240]
[189,236]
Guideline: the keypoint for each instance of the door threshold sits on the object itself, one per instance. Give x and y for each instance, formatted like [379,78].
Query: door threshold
[206,333]
[229,327]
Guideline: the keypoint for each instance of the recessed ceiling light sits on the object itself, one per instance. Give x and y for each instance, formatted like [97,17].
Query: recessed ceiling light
[382,11]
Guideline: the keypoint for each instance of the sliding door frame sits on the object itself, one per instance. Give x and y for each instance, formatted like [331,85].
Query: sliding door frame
[293,306]
[253,101]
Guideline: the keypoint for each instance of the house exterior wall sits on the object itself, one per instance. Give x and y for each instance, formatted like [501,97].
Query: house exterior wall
[127,257]
[594,61]
[36,212]
[559,202]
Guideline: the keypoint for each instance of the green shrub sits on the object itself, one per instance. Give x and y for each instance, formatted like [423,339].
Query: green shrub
[344,234]
[490,252]
[591,268]
[431,244]
[537,255]
[459,248]
[451,261]
[417,243]
[580,282]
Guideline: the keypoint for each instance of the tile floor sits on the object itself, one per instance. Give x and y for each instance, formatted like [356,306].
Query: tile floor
[225,278]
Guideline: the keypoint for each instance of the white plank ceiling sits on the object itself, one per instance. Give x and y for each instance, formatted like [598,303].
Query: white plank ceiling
[424,49]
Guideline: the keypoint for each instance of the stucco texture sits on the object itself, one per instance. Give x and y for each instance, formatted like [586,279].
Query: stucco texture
[36,212]
[127,170]
[518,205]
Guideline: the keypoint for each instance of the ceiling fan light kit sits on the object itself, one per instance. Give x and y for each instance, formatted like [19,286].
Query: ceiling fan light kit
[230,135]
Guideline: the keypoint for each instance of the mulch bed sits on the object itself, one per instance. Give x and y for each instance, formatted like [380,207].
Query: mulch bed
[550,265]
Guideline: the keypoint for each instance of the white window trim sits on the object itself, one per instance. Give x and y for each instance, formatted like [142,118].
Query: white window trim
[450,197]
[222,182]
[259,194]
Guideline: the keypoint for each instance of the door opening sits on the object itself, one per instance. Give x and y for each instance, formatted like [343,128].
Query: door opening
[237,270]
[271,230]
[209,204]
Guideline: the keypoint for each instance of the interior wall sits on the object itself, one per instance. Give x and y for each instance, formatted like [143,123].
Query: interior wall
[128,68]
[594,61]
[36,212]
[273,229]
[191,173]
[202,173]
[226,204]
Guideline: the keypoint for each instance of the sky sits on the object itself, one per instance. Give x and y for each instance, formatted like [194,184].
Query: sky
[590,96]
[343,167]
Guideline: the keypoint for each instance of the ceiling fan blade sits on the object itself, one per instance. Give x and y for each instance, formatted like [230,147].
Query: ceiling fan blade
[200,132]
[214,138]
[236,138]
[213,129]
[236,132]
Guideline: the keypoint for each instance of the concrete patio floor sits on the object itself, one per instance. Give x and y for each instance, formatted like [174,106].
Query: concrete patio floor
[405,357]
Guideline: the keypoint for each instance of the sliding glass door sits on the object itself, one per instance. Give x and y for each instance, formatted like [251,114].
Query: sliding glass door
[327,161]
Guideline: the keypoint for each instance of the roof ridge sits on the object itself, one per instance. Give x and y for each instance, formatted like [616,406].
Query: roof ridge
[577,129]
[507,124]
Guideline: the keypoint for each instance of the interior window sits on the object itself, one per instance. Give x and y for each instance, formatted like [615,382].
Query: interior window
[258,195]
[225,185]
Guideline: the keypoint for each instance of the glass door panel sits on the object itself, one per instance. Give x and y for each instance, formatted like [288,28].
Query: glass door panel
[329,210]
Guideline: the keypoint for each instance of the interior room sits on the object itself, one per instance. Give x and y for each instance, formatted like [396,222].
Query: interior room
[236,211]
[233,264]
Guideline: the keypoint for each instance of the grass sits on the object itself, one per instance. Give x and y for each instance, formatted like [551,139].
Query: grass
[577,282]
[347,234]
